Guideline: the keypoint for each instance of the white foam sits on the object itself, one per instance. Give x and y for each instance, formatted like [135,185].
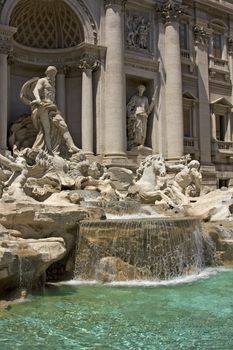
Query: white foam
[204,274]
[133,216]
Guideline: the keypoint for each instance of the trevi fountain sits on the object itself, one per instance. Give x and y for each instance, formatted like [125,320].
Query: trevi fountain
[116,175]
[100,253]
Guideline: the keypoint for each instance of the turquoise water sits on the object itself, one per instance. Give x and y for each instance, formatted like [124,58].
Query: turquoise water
[196,315]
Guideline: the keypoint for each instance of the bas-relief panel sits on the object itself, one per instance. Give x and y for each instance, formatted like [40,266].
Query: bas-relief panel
[73,108]
[138,31]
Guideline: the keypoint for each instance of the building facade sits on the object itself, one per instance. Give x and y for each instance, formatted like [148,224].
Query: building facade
[180,51]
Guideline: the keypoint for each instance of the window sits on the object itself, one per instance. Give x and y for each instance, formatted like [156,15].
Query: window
[220,127]
[223,183]
[184,37]
[188,122]
[217,45]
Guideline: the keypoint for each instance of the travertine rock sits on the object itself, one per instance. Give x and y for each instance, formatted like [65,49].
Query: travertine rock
[121,177]
[33,236]
[115,269]
[24,261]
[214,206]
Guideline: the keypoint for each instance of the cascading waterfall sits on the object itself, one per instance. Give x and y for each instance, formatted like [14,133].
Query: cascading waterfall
[139,249]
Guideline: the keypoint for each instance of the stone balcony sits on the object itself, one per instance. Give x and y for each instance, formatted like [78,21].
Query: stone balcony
[222,148]
[191,145]
[218,65]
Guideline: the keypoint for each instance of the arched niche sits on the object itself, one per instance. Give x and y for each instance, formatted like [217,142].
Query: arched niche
[78,7]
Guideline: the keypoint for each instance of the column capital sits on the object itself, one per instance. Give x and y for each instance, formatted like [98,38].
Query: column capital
[121,3]
[170,10]
[201,35]
[63,69]
[88,61]
[6,39]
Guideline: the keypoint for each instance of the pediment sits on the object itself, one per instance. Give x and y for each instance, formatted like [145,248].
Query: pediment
[221,101]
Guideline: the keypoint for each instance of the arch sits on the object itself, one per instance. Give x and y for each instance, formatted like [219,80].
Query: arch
[80,9]
[222,101]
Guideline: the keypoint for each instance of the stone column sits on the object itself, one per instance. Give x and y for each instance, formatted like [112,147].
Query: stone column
[228,126]
[6,34]
[201,45]
[87,64]
[170,12]
[213,124]
[61,90]
[115,100]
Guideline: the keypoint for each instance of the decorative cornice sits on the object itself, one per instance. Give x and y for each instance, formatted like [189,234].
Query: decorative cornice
[108,3]
[88,62]
[170,10]
[201,35]
[6,39]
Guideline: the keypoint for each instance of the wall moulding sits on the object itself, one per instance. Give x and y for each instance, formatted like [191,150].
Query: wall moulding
[57,57]
[143,63]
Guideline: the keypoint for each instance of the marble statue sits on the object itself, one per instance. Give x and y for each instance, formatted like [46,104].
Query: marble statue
[138,109]
[52,131]
[172,184]
[16,178]
[143,34]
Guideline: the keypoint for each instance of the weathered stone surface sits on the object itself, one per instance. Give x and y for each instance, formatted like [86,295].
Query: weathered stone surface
[221,232]
[35,236]
[115,269]
[125,249]
[214,206]
[121,177]
[24,261]
[40,220]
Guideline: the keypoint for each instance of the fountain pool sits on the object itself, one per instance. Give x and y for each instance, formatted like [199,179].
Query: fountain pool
[194,312]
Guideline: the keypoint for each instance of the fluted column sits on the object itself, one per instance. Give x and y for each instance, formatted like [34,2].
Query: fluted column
[87,64]
[61,90]
[170,12]
[205,133]
[6,34]
[115,101]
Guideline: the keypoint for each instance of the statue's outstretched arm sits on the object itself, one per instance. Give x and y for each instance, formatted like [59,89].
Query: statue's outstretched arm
[9,163]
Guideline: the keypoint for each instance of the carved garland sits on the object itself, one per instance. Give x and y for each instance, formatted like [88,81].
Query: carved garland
[201,35]
[88,62]
[170,11]
[115,2]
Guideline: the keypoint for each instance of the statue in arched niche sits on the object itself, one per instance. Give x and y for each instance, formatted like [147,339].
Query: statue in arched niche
[52,131]
[138,110]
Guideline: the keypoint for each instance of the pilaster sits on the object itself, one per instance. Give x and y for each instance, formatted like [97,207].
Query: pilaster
[115,101]
[201,37]
[6,35]
[87,64]
[61,89]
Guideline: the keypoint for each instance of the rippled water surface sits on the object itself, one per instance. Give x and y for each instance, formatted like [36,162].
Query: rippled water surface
[196,313]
